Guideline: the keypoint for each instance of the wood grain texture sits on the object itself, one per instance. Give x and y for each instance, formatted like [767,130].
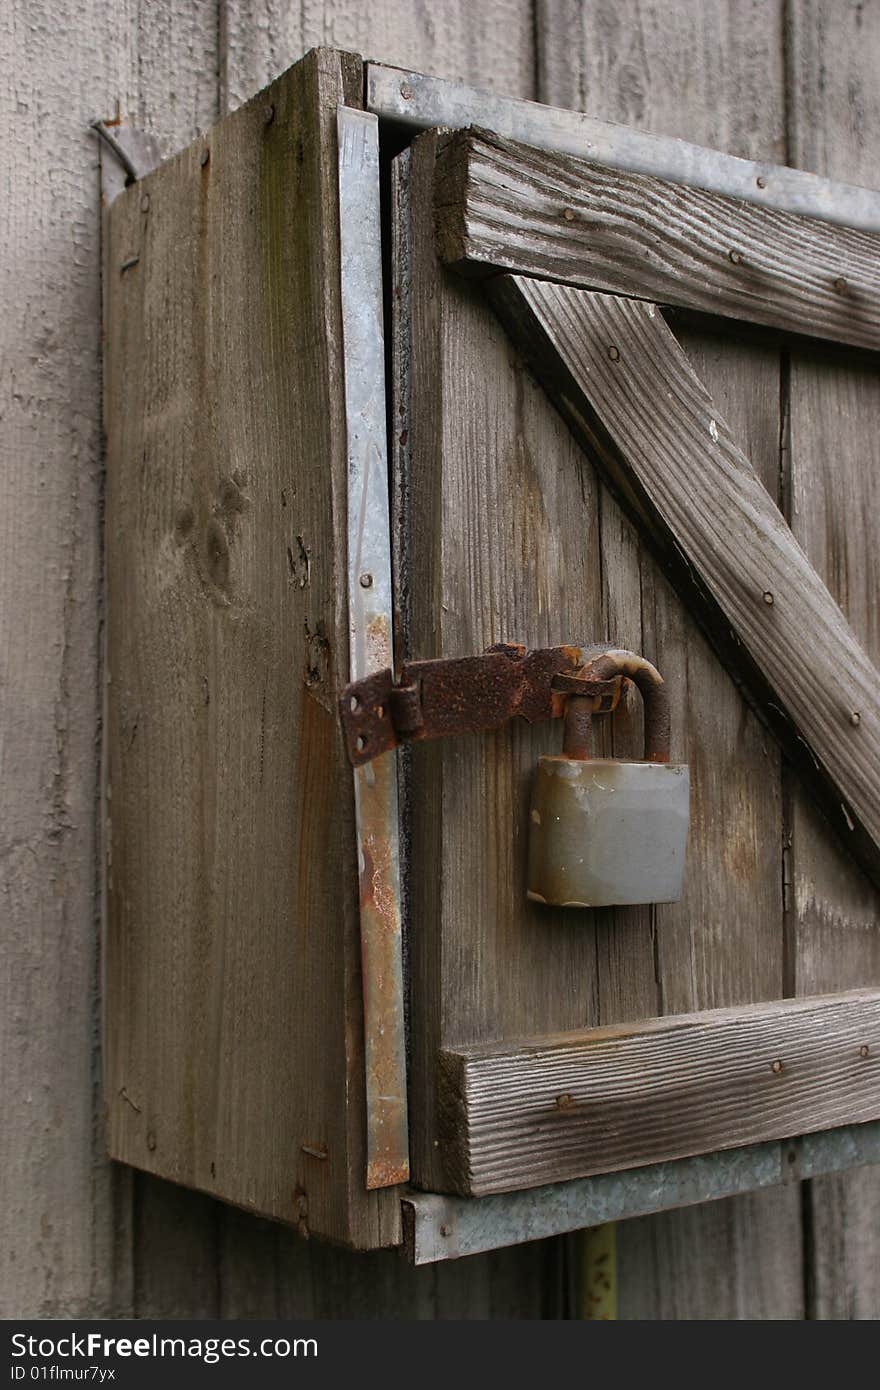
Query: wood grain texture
[507,206]
[541,1110]
[491,44]
[483,443]
[611,364]
[710,71]
[834,465]
[694,70]
[232,943]
[706,70]
[64,1222]
[738,1259]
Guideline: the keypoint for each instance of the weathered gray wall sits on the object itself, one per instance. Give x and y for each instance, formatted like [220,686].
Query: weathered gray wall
[785,78]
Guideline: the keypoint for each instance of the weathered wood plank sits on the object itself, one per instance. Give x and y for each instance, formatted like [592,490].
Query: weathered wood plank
[491,44]
[705,70]
[834,469]
[233,930]
[733,1260]
[709,71]
[541,1110]
[477,439]
[176,1247]
[64,1227]
[508,206]
[612,365]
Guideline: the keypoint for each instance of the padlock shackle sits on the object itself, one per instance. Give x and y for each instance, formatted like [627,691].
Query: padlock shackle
[655,696]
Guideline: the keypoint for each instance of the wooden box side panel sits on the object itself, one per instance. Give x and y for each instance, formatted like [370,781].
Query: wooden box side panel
[233,1019]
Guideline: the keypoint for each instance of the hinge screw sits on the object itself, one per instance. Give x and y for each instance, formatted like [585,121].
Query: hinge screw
[366,581]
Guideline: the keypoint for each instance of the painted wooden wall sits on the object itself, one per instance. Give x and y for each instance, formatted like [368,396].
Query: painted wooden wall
[785,79]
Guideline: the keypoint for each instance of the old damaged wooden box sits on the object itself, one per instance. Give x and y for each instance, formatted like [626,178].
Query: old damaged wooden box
[328,998]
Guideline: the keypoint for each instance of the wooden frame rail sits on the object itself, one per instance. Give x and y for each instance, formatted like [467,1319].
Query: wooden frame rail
[506,206]
[541,1110]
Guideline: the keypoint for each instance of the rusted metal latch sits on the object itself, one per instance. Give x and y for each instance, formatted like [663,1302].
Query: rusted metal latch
[470,694]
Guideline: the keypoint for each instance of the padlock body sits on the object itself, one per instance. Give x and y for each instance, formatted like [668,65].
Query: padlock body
[605,833]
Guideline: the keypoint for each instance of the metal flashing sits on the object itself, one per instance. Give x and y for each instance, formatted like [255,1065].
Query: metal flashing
[421,102]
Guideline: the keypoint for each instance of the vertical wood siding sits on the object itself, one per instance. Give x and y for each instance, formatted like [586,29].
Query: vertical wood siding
[79,1237]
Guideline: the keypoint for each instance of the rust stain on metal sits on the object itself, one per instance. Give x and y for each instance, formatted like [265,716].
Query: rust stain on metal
[381,1173]
[378,642]
[384,1045]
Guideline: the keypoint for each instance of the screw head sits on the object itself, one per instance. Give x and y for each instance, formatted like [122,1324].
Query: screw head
[864,1050]
[145,203]
[206,155]
[366,581]
[268,115]
[761,182]
[855,719]
[768,598]
[614,353]
[776,1067]
[734,256]
[568,214]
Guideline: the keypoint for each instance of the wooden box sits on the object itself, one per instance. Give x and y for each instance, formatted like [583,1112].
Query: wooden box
[566,465]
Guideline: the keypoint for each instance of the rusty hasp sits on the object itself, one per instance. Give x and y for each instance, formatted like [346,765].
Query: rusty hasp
[470,694]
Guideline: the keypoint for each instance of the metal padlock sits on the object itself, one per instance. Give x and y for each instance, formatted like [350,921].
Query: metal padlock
[605,832]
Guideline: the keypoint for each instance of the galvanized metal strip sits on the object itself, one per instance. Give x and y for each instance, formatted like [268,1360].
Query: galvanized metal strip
[421,102]
[441,1227]
[370,643]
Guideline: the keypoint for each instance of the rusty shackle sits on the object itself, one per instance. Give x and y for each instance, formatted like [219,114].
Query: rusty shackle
[581,689]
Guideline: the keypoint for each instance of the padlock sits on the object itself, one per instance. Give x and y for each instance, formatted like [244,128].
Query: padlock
[605,832]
